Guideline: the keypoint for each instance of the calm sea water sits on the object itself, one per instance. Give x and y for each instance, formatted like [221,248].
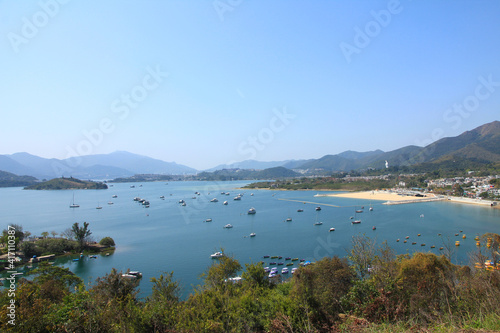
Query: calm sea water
[168,237]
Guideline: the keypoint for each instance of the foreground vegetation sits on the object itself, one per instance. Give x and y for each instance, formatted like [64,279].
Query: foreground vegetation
[370,290]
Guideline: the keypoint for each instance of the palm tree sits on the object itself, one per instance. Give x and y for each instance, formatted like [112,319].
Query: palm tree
[81,233]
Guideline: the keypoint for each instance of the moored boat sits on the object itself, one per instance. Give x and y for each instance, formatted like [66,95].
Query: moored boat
[216,255]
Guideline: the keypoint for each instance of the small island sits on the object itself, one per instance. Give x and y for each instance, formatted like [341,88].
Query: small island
[67,184]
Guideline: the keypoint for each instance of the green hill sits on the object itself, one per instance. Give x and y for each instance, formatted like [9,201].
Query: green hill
[8,179]
[67,184]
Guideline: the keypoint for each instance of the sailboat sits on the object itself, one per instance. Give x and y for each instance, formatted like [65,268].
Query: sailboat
[98,206]
[74,205]
[355,221]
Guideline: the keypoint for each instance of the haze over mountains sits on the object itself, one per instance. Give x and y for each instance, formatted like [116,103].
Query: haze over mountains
[480,146]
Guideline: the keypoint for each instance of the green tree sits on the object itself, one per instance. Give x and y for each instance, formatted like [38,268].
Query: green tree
[222,269]
[107,241]
[29,249]
[362,254]
[45,234]
[63,276]
[81,233]
[18,233]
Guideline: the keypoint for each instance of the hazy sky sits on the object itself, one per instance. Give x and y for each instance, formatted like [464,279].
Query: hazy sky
[208,82]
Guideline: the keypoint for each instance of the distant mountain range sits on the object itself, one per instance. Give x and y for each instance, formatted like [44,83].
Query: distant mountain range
[102,166]
[476,147]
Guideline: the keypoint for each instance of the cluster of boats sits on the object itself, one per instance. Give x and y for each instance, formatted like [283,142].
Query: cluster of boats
[144,202]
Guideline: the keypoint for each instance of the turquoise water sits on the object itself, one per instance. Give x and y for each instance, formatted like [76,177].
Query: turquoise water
[169,237]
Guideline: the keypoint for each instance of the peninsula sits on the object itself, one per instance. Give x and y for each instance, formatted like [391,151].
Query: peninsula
[67,184]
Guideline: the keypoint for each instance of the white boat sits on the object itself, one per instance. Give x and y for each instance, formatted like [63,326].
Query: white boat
[214,200]
[237,197]
[114,196]
[74,205]
[252,234]
[252,211]
[355,221]
[284,270]
[228,226]
[294,270]
[216,255]
[318,208]
[318,223]
[183,204]
[98,207]
[208,220]
[132,275]
[225,203]
[289,219]
[162,197]
[332,229]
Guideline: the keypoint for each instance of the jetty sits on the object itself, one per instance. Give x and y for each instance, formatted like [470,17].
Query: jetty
[43,258]
[400,202]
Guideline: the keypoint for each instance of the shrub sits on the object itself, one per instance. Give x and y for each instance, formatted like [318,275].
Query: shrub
[107,241]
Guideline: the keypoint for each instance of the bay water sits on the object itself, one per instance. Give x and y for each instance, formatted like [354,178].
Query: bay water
[170,237]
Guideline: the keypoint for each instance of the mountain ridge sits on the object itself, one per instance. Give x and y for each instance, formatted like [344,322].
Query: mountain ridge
[479,145]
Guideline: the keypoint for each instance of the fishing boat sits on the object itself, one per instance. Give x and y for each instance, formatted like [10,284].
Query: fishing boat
[374,228]
[318,208]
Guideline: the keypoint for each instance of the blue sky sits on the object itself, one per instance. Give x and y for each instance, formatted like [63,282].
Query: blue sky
[203,83]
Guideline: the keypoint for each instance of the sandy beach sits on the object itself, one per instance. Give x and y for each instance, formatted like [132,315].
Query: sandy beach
[394,198]
[381,196]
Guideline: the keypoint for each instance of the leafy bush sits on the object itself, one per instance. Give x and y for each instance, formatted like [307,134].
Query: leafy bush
[107,241]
